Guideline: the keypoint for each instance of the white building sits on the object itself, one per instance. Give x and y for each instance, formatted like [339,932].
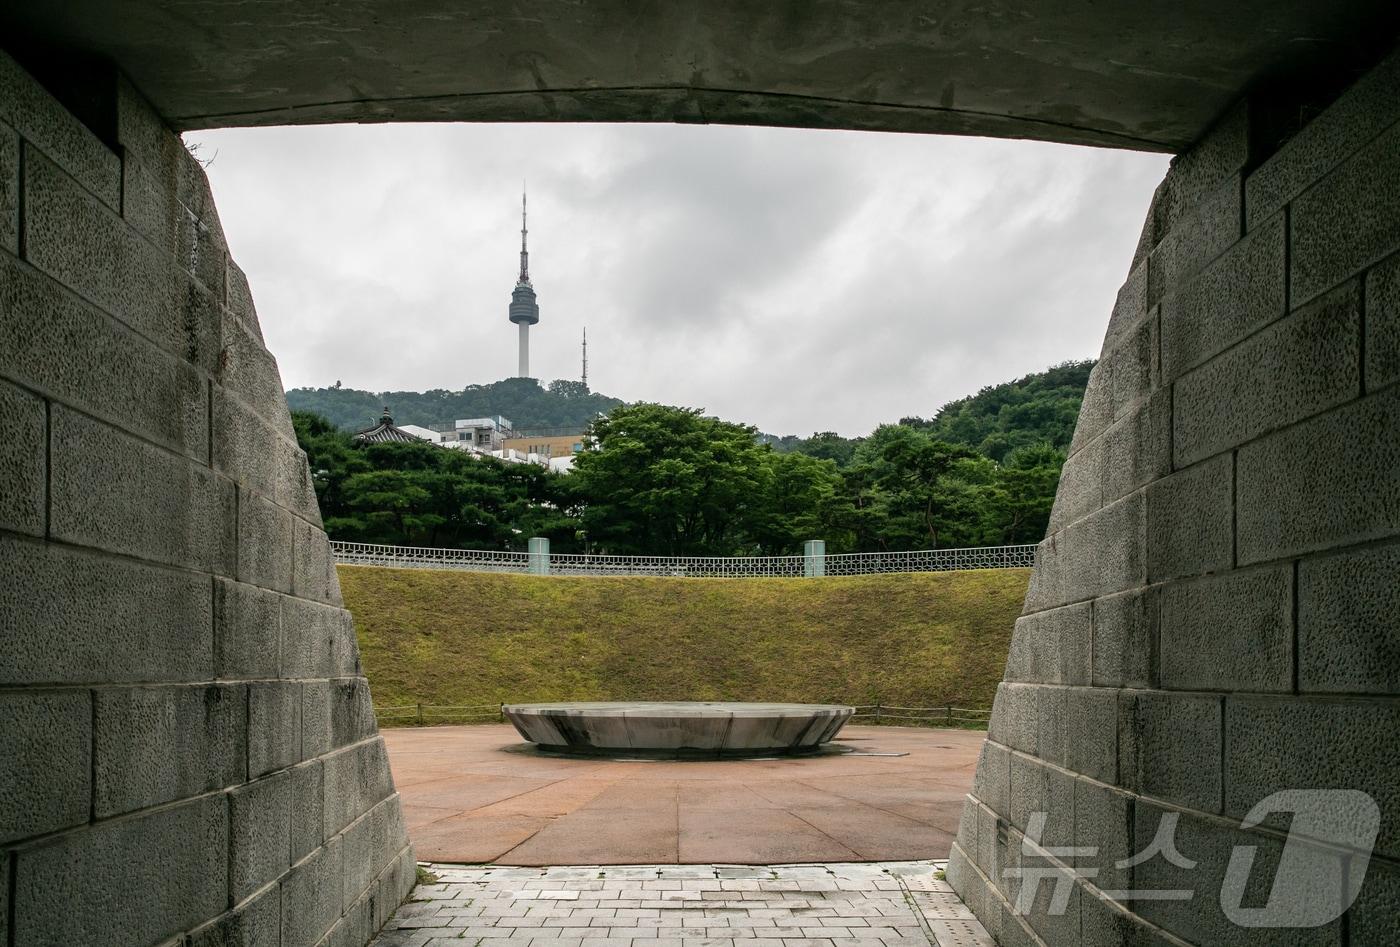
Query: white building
[422,433]
[478,434]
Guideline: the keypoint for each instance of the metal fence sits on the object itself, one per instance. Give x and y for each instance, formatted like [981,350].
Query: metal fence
[924,716]
[861,563]
[932,560]
[422,715]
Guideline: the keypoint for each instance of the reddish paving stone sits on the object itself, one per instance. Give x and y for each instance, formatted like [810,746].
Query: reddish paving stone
[466,839]
[755,837]
[415,815]
[603,837]
[469,795]
[867,830]
[552,801]
[940,815]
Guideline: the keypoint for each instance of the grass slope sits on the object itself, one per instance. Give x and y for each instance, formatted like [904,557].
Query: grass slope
[925,639]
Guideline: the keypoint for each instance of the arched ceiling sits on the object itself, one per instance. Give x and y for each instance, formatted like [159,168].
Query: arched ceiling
[1145,74]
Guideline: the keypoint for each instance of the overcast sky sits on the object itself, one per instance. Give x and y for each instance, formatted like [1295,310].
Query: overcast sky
[797,280]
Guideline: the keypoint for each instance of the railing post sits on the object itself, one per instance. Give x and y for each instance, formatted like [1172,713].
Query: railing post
[539,555]
[420,715]
[877,712]
[950,715]
[814,558]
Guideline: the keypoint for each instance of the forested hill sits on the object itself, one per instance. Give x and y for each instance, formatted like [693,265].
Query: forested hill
[1040,408]
[523,401]
[1037,410]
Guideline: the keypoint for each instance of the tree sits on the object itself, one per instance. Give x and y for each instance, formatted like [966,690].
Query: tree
[1041,408]
[568,388]
[669,481]
[922,492]
[661,480]
[827,445]
[419,494]
[803,500]
[1024,494]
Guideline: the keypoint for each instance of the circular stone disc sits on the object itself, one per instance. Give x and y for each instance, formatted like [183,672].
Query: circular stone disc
[678,726]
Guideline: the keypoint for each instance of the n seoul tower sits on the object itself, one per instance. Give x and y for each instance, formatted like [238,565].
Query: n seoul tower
[524,311]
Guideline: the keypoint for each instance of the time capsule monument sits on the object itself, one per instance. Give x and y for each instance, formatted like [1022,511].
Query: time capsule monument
[679,728]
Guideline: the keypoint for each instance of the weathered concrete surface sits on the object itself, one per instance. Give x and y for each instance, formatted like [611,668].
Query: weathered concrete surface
[470,795]
[1240,636]
[1121,73]
[178,673]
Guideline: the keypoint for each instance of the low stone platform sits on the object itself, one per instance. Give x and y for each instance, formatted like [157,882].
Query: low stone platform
[891,904]
[469,796]
[680,729]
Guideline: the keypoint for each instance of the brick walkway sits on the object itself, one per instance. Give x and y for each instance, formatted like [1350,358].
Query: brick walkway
[871,904]
[469,797]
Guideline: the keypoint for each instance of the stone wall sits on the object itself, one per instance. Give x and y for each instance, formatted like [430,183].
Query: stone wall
[1215,614]
[188,752]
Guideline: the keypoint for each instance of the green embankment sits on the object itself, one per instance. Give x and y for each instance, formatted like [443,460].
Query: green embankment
[439,637]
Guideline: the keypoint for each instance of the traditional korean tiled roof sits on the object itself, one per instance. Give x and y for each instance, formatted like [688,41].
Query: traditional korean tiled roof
[385,431]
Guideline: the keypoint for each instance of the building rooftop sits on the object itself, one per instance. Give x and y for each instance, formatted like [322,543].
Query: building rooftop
[385,431]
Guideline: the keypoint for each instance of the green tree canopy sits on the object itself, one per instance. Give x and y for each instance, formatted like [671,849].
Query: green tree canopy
[669,481]
[662,480]
[425,495]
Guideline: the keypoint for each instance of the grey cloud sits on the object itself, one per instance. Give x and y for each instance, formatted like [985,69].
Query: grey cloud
[794,279]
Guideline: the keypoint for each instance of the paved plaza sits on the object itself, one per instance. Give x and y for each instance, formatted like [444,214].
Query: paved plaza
[890,904]
[470,796]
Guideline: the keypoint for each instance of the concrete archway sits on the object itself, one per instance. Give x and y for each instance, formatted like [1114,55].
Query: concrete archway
[1213,614]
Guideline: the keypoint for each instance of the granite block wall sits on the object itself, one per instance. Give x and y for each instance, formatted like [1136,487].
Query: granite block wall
[1214,614]
[188,753]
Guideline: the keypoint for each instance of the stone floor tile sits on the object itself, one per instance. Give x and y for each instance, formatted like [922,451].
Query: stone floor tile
[961,932]
[743,871]
[842,905]
[687,871]
[399,938]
